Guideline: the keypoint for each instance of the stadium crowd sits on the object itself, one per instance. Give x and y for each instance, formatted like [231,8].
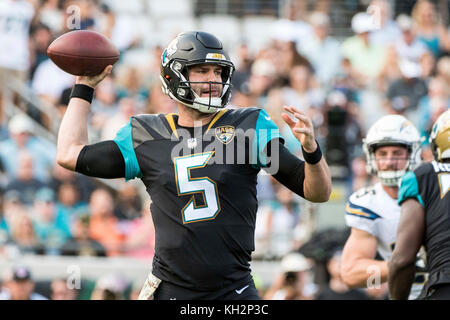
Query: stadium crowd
[389,64]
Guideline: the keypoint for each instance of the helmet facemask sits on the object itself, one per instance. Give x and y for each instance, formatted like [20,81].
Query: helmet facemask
[390,178]
[392,130]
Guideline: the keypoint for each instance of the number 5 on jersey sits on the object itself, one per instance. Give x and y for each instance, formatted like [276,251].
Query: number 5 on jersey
[204,185]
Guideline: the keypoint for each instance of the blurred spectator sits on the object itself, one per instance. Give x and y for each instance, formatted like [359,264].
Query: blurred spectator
[49,81]
[366,58]
[404,93]
[50,14]
[427,65]
[103,106]
[129,202]
[110,287]
[158,102]
[343,133]
[130,85]
[443,69]
[386,31]
[140,241]
[84,184]
[303,93]
[277,221]
[429,28]
[322,50]
[25,183]
[61,291]
[51,231]
[127,108]
[254,92]
[243,63]
[16,17]
[22,138]
[81,244]
[68,204]
[104,225]
[432,106]
[337,289]
[408,46]
[293,282]
[41,38]
[23,235]
[19,285]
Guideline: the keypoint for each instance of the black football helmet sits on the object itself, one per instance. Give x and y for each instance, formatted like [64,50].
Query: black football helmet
[189,49]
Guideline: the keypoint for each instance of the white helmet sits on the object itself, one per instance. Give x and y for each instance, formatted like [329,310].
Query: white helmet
[392,130]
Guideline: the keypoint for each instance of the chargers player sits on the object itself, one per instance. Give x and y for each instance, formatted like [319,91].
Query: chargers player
[425,220]
[392,147]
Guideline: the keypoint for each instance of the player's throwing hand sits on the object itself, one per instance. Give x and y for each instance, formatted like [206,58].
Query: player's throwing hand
[93,81]
[302,129]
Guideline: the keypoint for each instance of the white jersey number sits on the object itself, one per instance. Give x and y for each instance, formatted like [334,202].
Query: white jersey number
[204,185]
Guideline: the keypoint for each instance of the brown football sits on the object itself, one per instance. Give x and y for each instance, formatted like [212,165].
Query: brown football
[83,52]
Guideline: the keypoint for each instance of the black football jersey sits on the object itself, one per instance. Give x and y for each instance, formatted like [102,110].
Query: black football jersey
[202,185]
[430,185]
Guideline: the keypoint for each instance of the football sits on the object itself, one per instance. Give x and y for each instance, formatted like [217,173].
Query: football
[83,52]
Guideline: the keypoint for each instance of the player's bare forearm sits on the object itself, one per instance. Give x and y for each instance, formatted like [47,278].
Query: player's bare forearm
[72,135]
[317,184]
[410,231]
[363,273]
[401,277]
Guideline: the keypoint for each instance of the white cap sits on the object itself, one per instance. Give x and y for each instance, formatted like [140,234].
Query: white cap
[20,123]
[362,22]
[319,19]
[294,262]
[404,22]
[409,69]
[263,67]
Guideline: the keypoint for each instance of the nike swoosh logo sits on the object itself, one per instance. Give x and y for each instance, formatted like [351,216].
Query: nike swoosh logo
[267,118]
[241,290]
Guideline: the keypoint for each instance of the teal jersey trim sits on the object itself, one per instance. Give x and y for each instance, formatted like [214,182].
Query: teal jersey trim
[266,130]
[124,139]
[409,188]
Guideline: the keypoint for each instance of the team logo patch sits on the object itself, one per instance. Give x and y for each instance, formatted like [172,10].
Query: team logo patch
[225,133]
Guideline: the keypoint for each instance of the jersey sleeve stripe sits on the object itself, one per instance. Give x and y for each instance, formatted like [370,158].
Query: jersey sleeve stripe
[124,141]
[409,188]
[265,130]
[353,209]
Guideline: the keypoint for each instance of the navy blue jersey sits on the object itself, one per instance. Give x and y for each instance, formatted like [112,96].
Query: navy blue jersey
[202,183]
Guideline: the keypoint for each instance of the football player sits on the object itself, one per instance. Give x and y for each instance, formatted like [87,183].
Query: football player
[199,167]
[425,220]
[392,147]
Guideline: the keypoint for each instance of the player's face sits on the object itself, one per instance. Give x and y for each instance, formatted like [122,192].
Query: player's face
[206,73]
[389,158]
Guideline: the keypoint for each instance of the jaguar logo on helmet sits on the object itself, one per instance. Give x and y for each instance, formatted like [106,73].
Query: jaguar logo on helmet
[440,137]
[189,49]
[392,130]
